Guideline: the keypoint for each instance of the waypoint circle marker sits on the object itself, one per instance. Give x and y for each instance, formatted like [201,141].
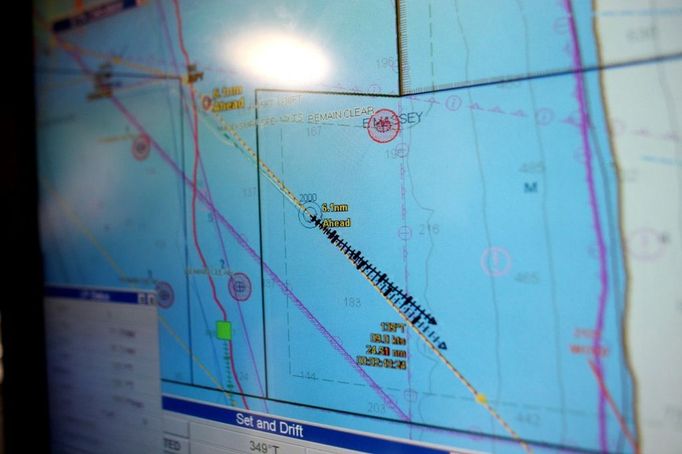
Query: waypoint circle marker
[240,287]
[141,147]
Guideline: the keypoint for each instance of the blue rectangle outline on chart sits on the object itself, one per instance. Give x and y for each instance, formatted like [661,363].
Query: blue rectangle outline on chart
[93,14]
[95,294]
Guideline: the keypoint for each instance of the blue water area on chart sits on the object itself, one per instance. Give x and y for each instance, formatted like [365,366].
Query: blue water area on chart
[456,43]
[478,207]
[491,183]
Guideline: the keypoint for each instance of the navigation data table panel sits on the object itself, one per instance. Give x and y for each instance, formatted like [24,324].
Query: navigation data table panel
[103,363]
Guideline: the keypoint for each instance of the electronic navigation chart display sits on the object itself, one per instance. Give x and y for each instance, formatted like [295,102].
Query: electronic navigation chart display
[383,226]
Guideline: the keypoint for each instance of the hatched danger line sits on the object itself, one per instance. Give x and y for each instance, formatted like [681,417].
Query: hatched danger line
[88,16]
[417,313]
[402,302]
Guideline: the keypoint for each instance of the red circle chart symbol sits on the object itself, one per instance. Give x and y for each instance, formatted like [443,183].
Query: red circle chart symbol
[383,126]
[164,294]
[240,287]
[141,147]
[206,102]
[496,261]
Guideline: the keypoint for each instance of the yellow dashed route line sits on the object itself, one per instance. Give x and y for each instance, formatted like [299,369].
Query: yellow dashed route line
[116,60]
[478,396]
[66,209]
[71,215]
[194,357]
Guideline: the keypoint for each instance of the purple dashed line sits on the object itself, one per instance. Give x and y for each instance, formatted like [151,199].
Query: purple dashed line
[211,205]
[596,222]
[271,274]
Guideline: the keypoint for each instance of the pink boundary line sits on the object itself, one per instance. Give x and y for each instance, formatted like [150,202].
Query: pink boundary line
[596,221]
[162,17]
[242,242]
[271,274]
[197,157]
[283,287]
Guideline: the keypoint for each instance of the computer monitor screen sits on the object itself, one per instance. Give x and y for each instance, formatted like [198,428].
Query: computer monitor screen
[382,226]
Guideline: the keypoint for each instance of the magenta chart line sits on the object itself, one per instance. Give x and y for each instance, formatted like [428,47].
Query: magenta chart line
[252,253]
[185,109]
[596,221]
[242,242]
[299,304]
[271,274]
[204,198]
[390,403]
[227,262]
[223,249]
